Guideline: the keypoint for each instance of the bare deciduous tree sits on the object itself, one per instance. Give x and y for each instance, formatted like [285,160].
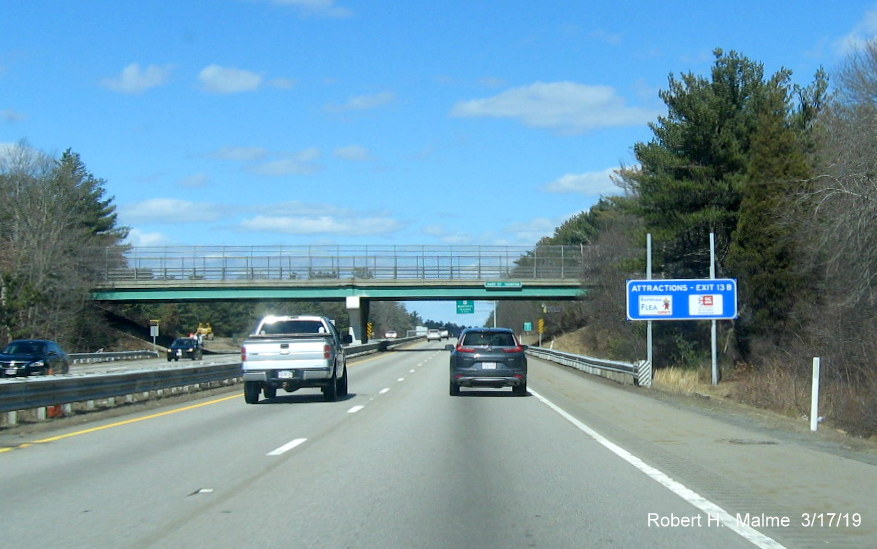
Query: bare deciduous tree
[53,221]
[841,233]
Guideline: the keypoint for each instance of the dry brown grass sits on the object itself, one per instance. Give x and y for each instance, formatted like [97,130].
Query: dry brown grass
[677,380]
[778,387]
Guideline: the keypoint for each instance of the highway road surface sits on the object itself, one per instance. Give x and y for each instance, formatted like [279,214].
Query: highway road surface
[579,462]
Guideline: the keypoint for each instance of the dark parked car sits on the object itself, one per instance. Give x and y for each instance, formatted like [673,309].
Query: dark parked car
[488,357]
[33,357]
[184,347]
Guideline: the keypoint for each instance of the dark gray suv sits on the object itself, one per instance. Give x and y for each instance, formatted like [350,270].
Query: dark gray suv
[488,357]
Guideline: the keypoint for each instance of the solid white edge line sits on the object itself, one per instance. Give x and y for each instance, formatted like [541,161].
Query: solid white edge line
[711,509]
[286,447]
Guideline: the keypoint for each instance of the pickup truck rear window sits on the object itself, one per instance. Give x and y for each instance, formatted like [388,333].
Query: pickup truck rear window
[294,327]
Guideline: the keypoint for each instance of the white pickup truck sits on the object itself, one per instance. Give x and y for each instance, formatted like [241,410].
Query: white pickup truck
[291,352]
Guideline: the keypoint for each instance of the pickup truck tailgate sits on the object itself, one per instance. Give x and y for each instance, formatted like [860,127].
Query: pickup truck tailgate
[287,354]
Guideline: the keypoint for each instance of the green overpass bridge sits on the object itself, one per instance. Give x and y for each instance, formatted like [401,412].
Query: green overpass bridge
[354,274]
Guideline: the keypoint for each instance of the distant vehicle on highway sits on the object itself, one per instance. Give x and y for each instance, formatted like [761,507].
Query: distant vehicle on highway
[390,334]
[433,335]
[205,330]
[488,357]
[185,347]
[445,334]
[33,357]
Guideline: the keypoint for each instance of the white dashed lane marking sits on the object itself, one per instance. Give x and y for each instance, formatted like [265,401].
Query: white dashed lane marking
[287,447]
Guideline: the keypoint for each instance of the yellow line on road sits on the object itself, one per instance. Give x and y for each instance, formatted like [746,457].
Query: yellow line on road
[119,423]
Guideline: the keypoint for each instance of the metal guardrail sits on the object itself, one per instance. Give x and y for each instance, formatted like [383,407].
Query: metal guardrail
[631,372]
[29,393]
[90,358]
[18,394]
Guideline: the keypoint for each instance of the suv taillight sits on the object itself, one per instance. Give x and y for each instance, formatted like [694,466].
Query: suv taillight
[517,349]
[461,349]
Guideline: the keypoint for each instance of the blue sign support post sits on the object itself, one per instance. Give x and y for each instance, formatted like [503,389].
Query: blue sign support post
[682,299]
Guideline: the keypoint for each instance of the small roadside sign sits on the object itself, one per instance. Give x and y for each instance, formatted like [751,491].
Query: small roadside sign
[503,285]
[682,299]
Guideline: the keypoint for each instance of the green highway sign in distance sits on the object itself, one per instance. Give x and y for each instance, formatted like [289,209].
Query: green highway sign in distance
[503,285]
[465,306]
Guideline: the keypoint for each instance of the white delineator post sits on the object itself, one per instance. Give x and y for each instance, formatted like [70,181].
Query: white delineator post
[814,396]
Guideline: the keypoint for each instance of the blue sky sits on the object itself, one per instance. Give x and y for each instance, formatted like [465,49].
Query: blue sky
[248,122]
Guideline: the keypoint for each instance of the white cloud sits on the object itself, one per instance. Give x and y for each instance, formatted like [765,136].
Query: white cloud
[297,208]
[261,161]
[364,102]
[327,8]
[195,181]
[565,106]
[298,163]
[11,116]
[445,236]
[136,237]
[530,232]
[173,210]
[135,79]
[217,79]
[321,224]
[241,154]
[613,38]
[282,83]
[589,183]
[354,153]
[285,166]
[862,33]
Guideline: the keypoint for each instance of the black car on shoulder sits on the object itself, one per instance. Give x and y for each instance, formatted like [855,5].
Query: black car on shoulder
[185,347]
[488,357]
[33,357]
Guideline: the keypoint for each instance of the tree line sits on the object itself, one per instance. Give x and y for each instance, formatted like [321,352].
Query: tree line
[55,220]
[784,176]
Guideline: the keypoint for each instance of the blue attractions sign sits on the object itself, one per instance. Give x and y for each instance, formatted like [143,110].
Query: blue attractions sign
[685,299]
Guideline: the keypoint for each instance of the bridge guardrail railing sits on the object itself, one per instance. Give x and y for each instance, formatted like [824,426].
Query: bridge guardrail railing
[159,263]
[624,372]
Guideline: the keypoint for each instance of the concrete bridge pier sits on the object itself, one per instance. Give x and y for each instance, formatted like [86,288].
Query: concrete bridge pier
[357,308]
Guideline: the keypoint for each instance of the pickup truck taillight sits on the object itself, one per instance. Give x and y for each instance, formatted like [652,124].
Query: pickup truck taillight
[243,354]
[327,351]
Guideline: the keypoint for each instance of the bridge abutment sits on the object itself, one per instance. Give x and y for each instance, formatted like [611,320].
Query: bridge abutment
[358,310]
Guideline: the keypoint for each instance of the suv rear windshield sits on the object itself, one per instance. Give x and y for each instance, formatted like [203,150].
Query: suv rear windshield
[488,339]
